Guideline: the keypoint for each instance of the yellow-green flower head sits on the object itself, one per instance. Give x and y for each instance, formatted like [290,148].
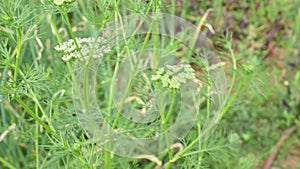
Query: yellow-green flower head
[172,76]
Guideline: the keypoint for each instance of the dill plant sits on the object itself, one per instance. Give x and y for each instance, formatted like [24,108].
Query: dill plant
[58,140]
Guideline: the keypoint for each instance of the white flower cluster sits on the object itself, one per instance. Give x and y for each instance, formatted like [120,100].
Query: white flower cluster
[86,46]
[174,75]
[61,2]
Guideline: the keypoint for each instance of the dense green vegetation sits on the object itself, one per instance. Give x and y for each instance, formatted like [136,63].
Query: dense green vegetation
[258,46]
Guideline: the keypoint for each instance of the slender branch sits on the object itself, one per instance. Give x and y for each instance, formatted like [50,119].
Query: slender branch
[39,120]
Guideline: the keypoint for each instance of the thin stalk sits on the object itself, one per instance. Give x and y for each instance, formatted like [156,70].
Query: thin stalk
[4,88]
[139,56]
[117,64]
[3,111]
[130,81]
[107,159]
[111,89]
[165,128]
[107,164]
[35,99]
[36,140]
[200,158]
[229,103]
[19,47]
[234,68]
[86,89]
[107,154]
[171,105]
[239,88]
[54,28]
[7,164]
[35,117]
[211,126]
[208,95]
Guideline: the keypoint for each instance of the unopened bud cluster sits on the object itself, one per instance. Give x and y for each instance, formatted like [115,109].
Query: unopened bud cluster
[172,76]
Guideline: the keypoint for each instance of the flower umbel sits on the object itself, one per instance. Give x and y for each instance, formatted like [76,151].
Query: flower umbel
[172,76]
[86,45]
[61,2]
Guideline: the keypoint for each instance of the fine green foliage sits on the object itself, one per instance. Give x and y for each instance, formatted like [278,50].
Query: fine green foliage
[41,40]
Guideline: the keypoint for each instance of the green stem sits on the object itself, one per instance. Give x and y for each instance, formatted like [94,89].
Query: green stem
[35,99]
[35,117]
[130,81]
[111,89]
[134,69]
[36,140]
[200,147]
[55,30]
[86,89]
[107,158]
[107,154]
[164,125]
[208,95]
[234,68]
[2,109]
[7,164]
[170,111]
[200,158]
[19,47]
[229,103]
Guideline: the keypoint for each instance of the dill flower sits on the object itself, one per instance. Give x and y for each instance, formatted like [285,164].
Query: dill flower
[86,45]
[61,2]
[172,76]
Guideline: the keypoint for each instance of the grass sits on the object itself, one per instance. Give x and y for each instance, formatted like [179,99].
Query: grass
[257,43]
